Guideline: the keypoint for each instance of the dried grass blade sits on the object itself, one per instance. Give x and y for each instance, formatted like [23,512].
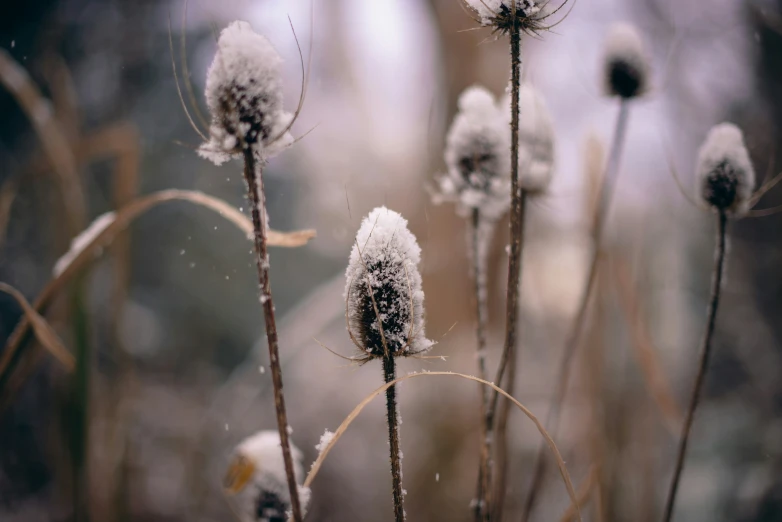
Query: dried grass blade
[584,490]
[122,218]
[651,368]
[42,329]
[358,409]
[16,80]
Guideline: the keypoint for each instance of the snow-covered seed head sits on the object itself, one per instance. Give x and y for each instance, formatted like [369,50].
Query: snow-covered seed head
[476,155]
[384,300]
[244,96]
[256,476]
[536,139]
[626,64]
[528,16]
[724,173]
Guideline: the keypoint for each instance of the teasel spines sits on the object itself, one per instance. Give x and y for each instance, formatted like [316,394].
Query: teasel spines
[505,16]
[385,302]
[256,478]
[476,156]
[626,66]
[244,96]
[725,176]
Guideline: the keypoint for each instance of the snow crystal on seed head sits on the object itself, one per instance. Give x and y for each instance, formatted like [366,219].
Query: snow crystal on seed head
[536,139]
[478,175]
[244,96]
[383,273]
[488,10]
[724,173]
[267,498]
[626,64]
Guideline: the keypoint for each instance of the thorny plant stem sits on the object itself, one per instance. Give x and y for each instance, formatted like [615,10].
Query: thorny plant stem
[502,441]
[574,336]
[253,176]
[478,274]
[518,200]
[389,374]
[714,301]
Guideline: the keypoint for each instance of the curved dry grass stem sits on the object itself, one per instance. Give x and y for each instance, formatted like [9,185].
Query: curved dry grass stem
[574,335]
[705,352]
[648,360]
[121,220]
[363,404]
[42,329]
[55,145]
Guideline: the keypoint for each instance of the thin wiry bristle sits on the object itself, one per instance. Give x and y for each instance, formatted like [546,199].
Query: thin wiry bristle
[506,16]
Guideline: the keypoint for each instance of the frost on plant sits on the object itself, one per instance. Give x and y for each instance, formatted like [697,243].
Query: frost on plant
[80,242]
[256,476]
[244,95]
[490,10]
[724,174]
[385,302]
[325,440]
[476,156]
[626,64]
[536,139]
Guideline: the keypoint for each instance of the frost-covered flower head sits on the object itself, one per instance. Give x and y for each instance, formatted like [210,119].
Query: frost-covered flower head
[724,174]
[626,66]
[384,299]
[476,155]
[256,476]
[529,16]
[244,96]
[536,139]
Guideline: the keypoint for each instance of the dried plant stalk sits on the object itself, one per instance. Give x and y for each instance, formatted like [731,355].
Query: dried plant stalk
[574,335]
[360,407]
[253,176]
[122,219]
[705,352]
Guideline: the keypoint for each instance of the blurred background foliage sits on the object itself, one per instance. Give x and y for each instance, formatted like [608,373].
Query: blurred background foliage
[178,355]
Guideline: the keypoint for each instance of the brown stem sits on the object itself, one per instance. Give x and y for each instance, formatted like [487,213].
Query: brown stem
[389,374]
[502,440]
[252,173]
[518,204]
[478,268]
[714,301]
[574,336]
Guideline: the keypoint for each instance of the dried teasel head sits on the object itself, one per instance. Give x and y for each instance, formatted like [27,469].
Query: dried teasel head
[244,96]
[724,173]
[476,155]
[626,68]
[536,139]
[528,16]
[384,299]
[256,477]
